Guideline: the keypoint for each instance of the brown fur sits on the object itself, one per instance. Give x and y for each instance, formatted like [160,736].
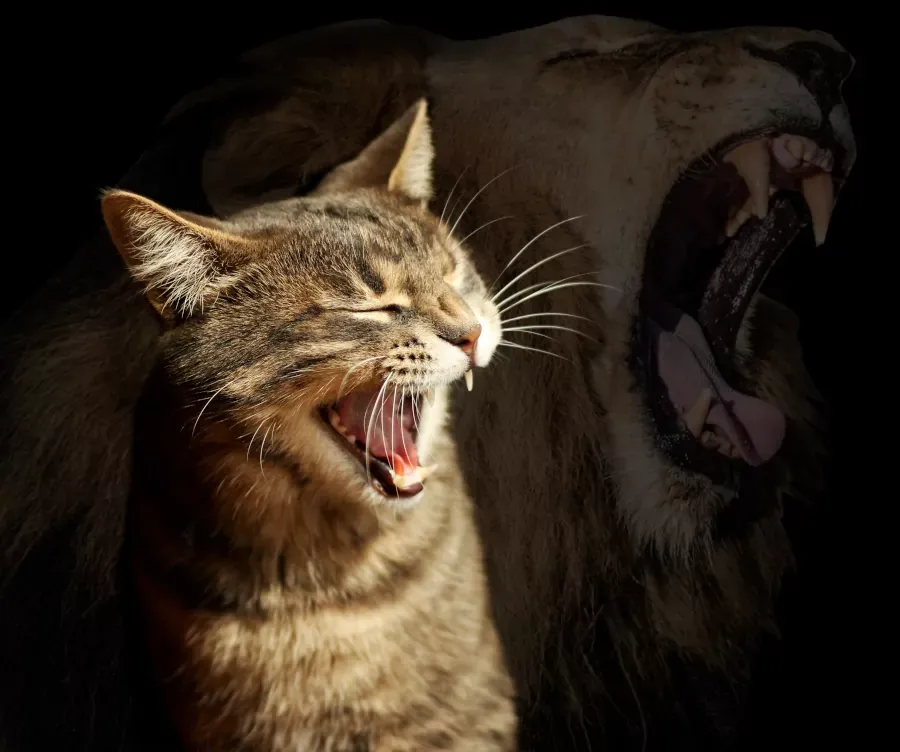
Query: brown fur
[285,603]
[629,595]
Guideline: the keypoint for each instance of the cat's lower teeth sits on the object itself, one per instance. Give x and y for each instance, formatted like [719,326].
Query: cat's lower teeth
[336,424]
[414,477]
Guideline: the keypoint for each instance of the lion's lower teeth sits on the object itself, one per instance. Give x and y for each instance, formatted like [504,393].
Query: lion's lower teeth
[711,440]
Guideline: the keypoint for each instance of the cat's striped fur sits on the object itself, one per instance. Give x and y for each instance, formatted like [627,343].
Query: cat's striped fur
[287,603]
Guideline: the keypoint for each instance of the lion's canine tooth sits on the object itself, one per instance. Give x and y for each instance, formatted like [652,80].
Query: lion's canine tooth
[752,161]
[469,379]
[737,221]
[696,416]
[818,190]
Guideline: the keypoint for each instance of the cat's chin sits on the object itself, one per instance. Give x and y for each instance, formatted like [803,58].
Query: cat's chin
[380,432]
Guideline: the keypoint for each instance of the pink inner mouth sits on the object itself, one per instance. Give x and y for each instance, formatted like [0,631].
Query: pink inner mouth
[384,424]
[751,428]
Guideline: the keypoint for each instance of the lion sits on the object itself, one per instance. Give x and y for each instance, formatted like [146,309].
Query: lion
[627,185]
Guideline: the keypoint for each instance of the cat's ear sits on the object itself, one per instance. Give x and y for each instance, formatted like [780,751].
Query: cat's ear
[181,259]
[401,159]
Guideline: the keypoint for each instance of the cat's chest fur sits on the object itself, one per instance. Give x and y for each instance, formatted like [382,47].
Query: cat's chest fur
[289,623]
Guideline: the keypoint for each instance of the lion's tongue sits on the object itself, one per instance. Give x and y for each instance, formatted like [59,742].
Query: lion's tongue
[686,365]
[384,424]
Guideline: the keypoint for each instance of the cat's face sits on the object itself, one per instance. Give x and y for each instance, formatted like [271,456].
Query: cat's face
[332,322]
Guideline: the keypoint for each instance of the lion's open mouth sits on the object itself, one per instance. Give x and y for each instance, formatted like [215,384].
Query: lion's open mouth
[380,429]
[722,228]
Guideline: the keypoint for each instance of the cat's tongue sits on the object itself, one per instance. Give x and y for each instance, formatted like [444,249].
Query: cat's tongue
[384,423]
[686,366]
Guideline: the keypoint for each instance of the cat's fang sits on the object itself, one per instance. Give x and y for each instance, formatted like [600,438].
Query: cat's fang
[469,380]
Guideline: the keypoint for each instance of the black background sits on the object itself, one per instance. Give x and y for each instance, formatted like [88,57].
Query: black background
[86,93]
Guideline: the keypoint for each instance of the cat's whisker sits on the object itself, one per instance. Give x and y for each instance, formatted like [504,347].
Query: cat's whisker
[393,423]
[538,264]
[553,288]
[450,195]
[346,375]
[403,432]
[415,400]
[548,326]
[383,434]
[262,423]
[323,390]
[523,291]
[536,334]
[477,194]
[528,245]
[294,374]
[548,313]
[262,446]
[380,403]
[519,293]
[200,414]
[506,343]
[486,224]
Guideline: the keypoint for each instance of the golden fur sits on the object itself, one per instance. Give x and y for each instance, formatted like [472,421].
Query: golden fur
[629,593]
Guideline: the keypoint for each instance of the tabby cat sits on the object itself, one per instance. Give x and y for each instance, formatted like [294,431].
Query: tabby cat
[301,541]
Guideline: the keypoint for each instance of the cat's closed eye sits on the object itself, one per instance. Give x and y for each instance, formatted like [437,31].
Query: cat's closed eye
[384,313]
[393,309]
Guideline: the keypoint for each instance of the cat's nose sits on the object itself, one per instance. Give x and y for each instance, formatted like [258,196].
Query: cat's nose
[467,342]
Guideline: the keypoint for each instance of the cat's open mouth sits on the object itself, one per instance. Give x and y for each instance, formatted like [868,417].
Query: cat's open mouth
[380,429]
[723,226]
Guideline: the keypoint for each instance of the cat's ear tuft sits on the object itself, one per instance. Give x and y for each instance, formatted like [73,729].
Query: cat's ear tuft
[412,174]
[401,159]
[177,258]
